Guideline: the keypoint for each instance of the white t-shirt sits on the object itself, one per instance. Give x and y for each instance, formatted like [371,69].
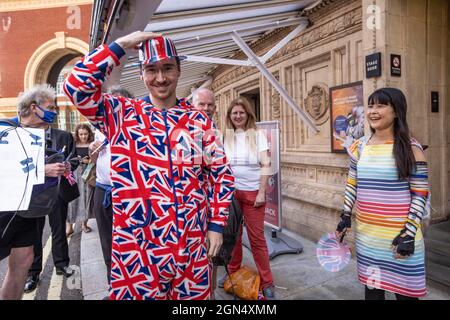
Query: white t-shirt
[244,163]
[103,162]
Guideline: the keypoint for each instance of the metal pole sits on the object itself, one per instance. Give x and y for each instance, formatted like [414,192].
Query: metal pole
[284,41]
[273,81]
[203,59]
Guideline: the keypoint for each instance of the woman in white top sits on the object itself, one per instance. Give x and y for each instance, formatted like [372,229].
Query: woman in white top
[247,151]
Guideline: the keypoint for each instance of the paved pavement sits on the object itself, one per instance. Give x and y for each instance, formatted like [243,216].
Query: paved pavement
[296,276]
[52,286]
[93,269]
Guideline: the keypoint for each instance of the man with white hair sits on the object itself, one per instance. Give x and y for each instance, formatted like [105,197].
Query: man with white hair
[36,109]
[203,99]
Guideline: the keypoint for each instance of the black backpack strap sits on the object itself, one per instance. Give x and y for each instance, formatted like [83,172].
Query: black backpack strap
[235,297]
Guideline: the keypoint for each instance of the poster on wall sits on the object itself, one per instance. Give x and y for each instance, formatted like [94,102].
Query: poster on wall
[273,192]
[347,115]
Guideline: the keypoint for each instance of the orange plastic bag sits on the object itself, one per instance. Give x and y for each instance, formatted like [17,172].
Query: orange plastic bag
[245,283]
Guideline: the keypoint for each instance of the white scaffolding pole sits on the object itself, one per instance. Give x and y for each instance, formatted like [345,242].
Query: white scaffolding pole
[284,41]
[254,60]
[232,62]
[273,81]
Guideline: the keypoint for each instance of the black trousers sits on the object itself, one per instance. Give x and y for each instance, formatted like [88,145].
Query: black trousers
[104,217]
[60,247]
[378,294]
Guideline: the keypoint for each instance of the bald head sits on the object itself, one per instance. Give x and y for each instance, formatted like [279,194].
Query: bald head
[203,99]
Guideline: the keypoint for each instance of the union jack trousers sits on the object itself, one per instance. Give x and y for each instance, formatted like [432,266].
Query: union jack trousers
[160,208]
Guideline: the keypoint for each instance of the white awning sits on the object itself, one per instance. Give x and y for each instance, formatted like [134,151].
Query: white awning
[209,32]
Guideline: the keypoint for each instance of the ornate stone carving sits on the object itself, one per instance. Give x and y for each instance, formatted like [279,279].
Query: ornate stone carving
[315,195]
[318,7]
[296,172]
[275,101]
[332,177]
[350,21]
[219,109]
[321,32]
[249,84]
[317,103]
[232,76]
[312,174]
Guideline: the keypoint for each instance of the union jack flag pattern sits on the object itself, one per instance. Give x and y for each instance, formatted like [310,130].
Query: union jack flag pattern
[161,213]
[156,49]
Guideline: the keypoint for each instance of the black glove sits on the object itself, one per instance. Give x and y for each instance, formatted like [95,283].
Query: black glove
[344,224]
[404,243]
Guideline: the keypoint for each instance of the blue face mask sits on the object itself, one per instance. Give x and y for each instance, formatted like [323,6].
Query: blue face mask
[48,117]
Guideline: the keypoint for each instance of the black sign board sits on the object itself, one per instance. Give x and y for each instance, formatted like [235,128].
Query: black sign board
[373,65]
[396,65]
[434,101]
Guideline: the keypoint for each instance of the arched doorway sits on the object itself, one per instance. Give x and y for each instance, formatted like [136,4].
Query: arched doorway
[50,63]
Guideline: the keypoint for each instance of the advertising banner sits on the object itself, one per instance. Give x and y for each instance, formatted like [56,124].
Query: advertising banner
[347,115]
[273,191]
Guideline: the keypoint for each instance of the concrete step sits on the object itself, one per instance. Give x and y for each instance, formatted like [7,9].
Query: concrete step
[438,273]
[443,226]
[437,234]
[437,246]
[436,286]
[438,258]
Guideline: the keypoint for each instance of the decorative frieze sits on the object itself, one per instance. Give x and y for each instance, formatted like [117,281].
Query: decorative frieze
[315,35]
[235,75]
[295,172]
[313,194]
[306,41]
[248,85]
[319,186]
[332,177]
[275,101]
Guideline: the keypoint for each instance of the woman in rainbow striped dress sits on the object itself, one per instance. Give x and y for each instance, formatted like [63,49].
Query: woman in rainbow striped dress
[388,181]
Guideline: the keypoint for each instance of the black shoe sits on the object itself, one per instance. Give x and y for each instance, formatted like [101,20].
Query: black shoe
[64,271]
[31,284]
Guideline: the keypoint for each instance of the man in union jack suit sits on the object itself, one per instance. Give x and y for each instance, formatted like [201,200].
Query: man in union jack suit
[163,230]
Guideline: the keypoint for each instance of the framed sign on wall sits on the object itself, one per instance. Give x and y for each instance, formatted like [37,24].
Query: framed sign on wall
[347,115]
[373,65]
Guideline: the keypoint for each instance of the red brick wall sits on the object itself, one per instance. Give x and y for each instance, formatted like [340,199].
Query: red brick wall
[27,32]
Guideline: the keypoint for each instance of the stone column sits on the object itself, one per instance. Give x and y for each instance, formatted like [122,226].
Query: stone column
[418,31]
[447,109]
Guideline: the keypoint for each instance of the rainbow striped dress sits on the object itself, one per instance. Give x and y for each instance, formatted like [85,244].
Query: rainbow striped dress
[382,205]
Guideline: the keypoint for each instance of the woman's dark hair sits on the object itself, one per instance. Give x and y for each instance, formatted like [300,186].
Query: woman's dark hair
[86,127]
[403,154]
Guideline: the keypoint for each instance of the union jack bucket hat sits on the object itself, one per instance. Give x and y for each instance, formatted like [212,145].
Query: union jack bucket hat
[158,49]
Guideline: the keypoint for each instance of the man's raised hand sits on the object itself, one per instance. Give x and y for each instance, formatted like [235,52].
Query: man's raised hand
[132,40]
